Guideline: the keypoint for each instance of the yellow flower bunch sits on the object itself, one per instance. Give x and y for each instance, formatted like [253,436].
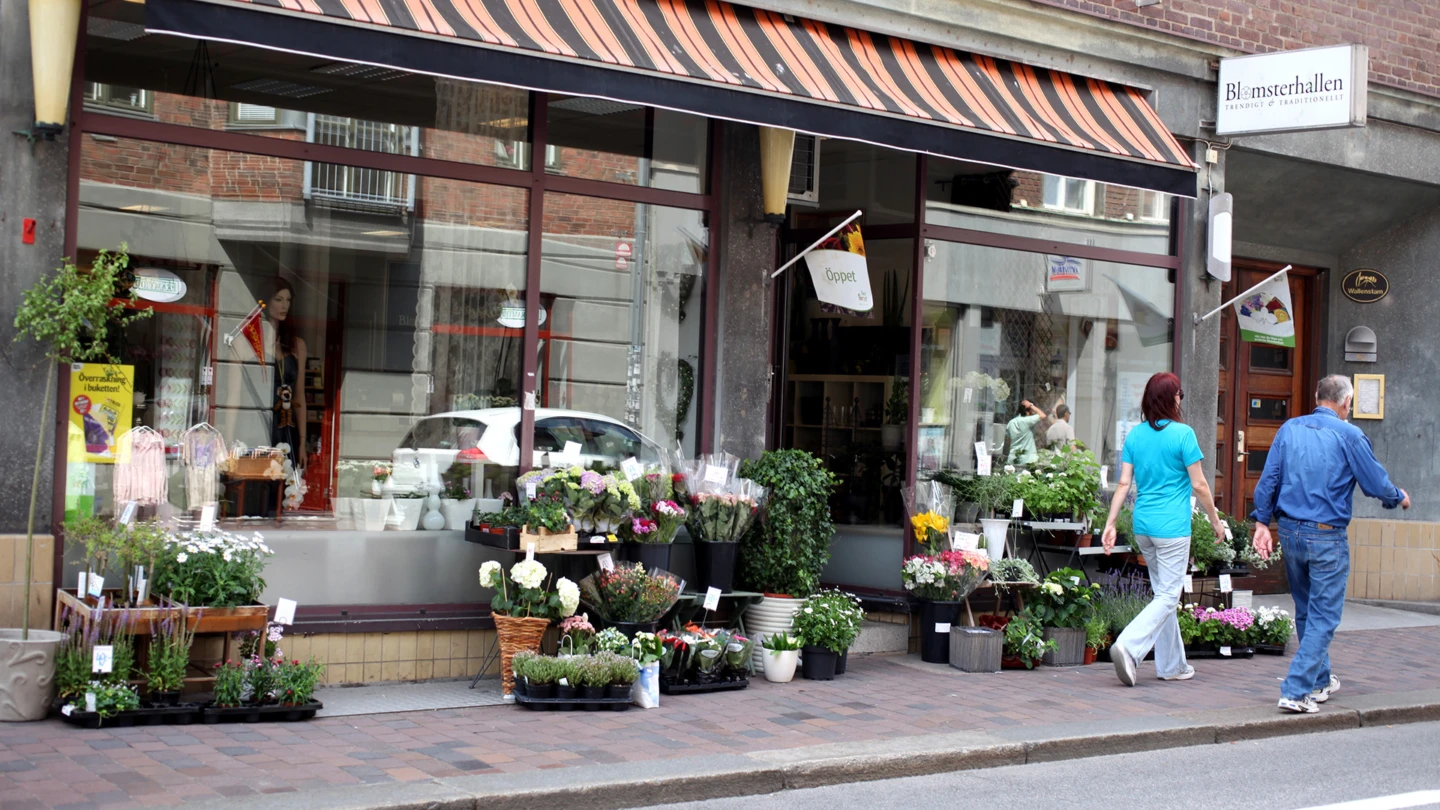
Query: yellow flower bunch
[930,527]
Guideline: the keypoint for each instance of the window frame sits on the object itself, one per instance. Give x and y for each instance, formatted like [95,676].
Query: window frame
[1087,193]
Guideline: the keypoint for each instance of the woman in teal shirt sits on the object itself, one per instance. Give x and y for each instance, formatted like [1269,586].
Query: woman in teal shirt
[1162,459]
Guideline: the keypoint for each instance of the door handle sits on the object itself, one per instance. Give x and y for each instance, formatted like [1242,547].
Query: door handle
[1240,453]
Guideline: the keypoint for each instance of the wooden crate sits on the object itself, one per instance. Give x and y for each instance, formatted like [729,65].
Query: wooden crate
[547,543]
[976,649]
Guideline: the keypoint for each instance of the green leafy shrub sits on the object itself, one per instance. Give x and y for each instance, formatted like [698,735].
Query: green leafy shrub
[786,552]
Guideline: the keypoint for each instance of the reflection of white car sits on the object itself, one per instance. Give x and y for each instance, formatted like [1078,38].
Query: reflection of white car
[492,437]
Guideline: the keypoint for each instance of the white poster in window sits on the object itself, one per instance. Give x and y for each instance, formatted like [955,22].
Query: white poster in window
[1066,274]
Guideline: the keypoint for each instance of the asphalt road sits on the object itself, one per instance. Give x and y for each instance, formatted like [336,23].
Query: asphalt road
[1381,765]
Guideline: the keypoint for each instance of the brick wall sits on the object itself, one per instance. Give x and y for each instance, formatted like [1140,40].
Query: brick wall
[1403,35]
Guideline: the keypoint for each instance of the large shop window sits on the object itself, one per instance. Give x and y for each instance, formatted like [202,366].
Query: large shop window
[620,331]
[1000,327]
[320,335]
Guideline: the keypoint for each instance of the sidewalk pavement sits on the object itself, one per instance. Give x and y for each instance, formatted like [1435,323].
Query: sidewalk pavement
[887,716]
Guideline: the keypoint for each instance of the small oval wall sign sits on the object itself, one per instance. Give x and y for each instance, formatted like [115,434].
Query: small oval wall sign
[1365,286]
[158,284]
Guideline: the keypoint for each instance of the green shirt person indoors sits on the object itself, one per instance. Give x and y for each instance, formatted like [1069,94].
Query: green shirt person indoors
[1021,433]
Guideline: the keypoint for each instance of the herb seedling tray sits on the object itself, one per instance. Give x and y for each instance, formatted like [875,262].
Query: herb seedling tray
[674,688]
[180,714]
[502,537]
[619,704]
[268,713]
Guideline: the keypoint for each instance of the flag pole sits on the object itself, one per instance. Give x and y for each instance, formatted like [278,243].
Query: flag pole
[1212,313]
[802,253]
[230,337]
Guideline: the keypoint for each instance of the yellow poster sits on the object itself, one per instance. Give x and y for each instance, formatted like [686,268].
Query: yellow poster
[101,396]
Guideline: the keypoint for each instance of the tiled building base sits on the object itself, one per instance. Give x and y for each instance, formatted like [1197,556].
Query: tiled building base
[388,657]
[12,580]
[1394,559]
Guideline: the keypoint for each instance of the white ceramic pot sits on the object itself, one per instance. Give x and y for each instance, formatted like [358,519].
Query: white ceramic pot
[780,665]
[409,510]
[457,513]
[345,513]
[773,614]
[995,530]
[376,488]
[27,674]
[374,511]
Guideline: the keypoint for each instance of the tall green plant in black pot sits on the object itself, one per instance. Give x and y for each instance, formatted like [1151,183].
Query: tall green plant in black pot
[785,552]
[70,313]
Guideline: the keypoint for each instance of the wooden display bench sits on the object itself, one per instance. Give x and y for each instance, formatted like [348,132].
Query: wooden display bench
[224,622]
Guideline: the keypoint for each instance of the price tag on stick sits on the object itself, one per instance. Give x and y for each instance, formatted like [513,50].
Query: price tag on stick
[95,585]
[716,474]
[90,702]
[207,517]
[530,552]
[607,563]
[285,611]
[942,628]
[712,598]
[128,516]
[632,469]
[982,459]
[1225,585]
[1189,583]
[530,491]
[1018,508]
[103,658]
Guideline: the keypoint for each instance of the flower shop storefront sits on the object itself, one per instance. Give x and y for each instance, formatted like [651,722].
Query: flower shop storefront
[379,297]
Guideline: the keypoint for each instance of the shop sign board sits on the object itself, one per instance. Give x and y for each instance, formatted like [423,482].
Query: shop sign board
[1066,274]
[101,396]
[1288,91]
[1365,286]
[158,285]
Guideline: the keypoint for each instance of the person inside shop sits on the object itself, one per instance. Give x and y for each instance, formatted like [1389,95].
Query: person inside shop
[1061,433]
[287,351]
[1020,434]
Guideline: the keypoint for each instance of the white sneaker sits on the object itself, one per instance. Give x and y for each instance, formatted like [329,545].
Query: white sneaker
[1322,695]
[1302,706]
[1124,665]
[1183,676]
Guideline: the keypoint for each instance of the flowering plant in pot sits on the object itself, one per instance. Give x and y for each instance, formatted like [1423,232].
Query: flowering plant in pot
[782,653]
[170,641]
[577,635]
[629,596]
[1271,630]
[827,625]
[1063,605]
[1025,643]
[296,682]
[216,569]
[523,605]
[941,581]
[1206,629]
[697,657]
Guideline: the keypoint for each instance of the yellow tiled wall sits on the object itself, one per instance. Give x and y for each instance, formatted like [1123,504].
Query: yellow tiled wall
[405,656]
[12,581]
[1394,559]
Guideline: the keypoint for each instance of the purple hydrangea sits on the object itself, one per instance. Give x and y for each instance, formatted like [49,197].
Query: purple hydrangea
[592,482]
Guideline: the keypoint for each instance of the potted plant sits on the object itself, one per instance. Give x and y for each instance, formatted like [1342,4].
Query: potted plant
[700,660]
[229,684]
[547,526]
[1063,485]
[720,520]
[567,678]
[781,654]
[990,494]
[296,682]
[1271,631]
[848,614]
[1097,638]
[827,627]
[409,505]
[647,649]
[629,597]
[456,503]
[592,674]
[170,642]
[1025,644]
[623,671]
[897,413]
[782,555]
[648,534]
[1210,633]
[941,583]
[1012,571]
[523,606]
[1063,605]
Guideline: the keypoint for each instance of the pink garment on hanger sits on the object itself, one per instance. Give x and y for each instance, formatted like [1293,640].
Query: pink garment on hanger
[140,469]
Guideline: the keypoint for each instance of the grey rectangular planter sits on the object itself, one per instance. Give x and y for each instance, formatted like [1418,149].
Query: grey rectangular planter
[1069,647]
[975,649]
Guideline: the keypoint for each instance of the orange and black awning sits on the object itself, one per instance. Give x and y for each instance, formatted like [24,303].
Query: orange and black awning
[734,62]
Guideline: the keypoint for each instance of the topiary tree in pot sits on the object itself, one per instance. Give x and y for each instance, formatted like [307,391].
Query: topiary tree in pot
[70,313]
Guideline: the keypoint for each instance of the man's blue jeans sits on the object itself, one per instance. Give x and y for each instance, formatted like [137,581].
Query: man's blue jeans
[1317,562]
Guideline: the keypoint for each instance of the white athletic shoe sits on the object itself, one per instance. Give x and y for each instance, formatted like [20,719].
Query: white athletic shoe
[1322,695]
[1124,665]
[1183,676]
[1302,706]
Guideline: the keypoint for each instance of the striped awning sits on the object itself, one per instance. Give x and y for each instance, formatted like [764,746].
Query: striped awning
[735,62]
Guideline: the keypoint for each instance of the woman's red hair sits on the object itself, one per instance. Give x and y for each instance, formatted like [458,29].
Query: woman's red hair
[1159,400]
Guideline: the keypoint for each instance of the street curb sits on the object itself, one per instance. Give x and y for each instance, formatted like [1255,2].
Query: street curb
[639,784]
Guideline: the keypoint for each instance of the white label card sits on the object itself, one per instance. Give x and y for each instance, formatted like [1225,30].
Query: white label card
[1225,585]
[67,709]
[596,539]
[982,459]
[969,392]
[1105,476]
[103,658]
[1229,535]
[530,491]
[128,516]
[632,469]
[1018,508]
[530,552]
[716,474]
[90,702]
[1225,651]
[1189,583]
[1075,580]
[712,598]
[529,400]
[207,517]
[80,589]
[607,563]
[95,585]
[571,451]
[942,627]
[285,611]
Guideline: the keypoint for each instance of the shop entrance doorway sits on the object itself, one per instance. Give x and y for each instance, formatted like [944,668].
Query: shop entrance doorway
[1260,387]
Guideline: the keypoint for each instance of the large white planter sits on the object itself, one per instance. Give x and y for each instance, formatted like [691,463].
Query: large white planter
[345,513]
[27,674]
[995,530]
[457,513]
[374,511]
[773,614]
[780,665]
[409,511]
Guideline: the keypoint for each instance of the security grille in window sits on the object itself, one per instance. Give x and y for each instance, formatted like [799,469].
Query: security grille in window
[353,185]
[115,97]
[1069,195]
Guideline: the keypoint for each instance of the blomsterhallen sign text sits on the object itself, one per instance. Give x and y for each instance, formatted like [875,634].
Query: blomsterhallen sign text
[1287,91]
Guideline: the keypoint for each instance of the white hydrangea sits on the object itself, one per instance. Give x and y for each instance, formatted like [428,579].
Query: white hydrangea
[569,596]
[528,574]
[490,574]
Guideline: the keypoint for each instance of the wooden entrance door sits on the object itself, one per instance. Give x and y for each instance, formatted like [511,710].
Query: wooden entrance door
[1260,386]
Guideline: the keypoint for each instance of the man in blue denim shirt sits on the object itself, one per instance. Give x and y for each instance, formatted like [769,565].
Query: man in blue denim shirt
[1308,484]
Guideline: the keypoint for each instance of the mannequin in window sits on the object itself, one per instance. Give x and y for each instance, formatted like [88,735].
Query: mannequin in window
[287,351]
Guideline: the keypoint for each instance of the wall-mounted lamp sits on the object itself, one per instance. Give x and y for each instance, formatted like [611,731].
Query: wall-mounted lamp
[1217,255]
[777,148]
[54,25]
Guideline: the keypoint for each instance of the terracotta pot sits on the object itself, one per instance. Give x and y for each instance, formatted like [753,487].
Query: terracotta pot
[1090,654]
